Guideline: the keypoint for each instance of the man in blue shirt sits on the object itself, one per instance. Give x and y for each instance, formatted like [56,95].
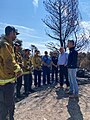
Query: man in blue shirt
[46,68]
[62,63]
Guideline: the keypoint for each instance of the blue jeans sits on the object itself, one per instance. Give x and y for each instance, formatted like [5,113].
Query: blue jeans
[73,81]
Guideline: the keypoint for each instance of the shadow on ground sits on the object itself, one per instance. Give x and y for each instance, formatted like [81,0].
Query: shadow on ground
[74,110]
[48,88]
[61,93]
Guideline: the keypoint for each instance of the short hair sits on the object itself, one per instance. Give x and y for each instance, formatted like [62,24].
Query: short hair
[37,51]
[71,41]
[46,52]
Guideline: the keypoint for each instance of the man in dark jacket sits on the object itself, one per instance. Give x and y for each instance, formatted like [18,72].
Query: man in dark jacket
[54,59]
[72,69]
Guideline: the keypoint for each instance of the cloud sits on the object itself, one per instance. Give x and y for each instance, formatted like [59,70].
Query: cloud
[21,28]
[41,46]
[25,31]
[84,7]
[35,3]
[86,24]
[28,44]
[28,36]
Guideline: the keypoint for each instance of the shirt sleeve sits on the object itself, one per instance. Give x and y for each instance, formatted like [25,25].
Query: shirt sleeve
[8,58]
[43,58]
[58,59]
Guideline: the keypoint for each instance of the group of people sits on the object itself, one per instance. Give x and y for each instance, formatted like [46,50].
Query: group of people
[16,67]
[34,66]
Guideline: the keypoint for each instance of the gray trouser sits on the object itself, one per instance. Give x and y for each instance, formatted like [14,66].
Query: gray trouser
[7,102]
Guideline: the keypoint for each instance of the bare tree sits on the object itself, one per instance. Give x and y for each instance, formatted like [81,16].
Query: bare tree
[81,36]
[82,39]
[62,19]
[52,46]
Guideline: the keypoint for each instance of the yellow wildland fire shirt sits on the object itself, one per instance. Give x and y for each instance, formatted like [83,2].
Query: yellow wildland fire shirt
[19,59]
[27,65]
[37,62]
[8,65]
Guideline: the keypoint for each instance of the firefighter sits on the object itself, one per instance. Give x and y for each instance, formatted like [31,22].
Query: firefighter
[19,60]
[9,70]
[37,64]
[27,72]
[54,59]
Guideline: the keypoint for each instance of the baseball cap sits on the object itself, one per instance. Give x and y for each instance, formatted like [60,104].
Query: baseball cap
[9,29]
[37,51]
[17,44]
[27,50]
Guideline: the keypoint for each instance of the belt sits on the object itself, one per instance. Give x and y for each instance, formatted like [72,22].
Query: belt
[24,73]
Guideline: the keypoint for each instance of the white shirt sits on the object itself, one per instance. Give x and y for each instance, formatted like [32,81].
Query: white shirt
[63,59]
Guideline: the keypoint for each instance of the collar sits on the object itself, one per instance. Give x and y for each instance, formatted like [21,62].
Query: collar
[10,42]
[72,48]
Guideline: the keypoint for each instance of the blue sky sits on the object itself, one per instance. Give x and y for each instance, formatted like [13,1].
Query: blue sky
[26,15]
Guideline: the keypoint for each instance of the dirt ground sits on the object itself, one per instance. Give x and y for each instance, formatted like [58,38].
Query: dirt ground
[52,103]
